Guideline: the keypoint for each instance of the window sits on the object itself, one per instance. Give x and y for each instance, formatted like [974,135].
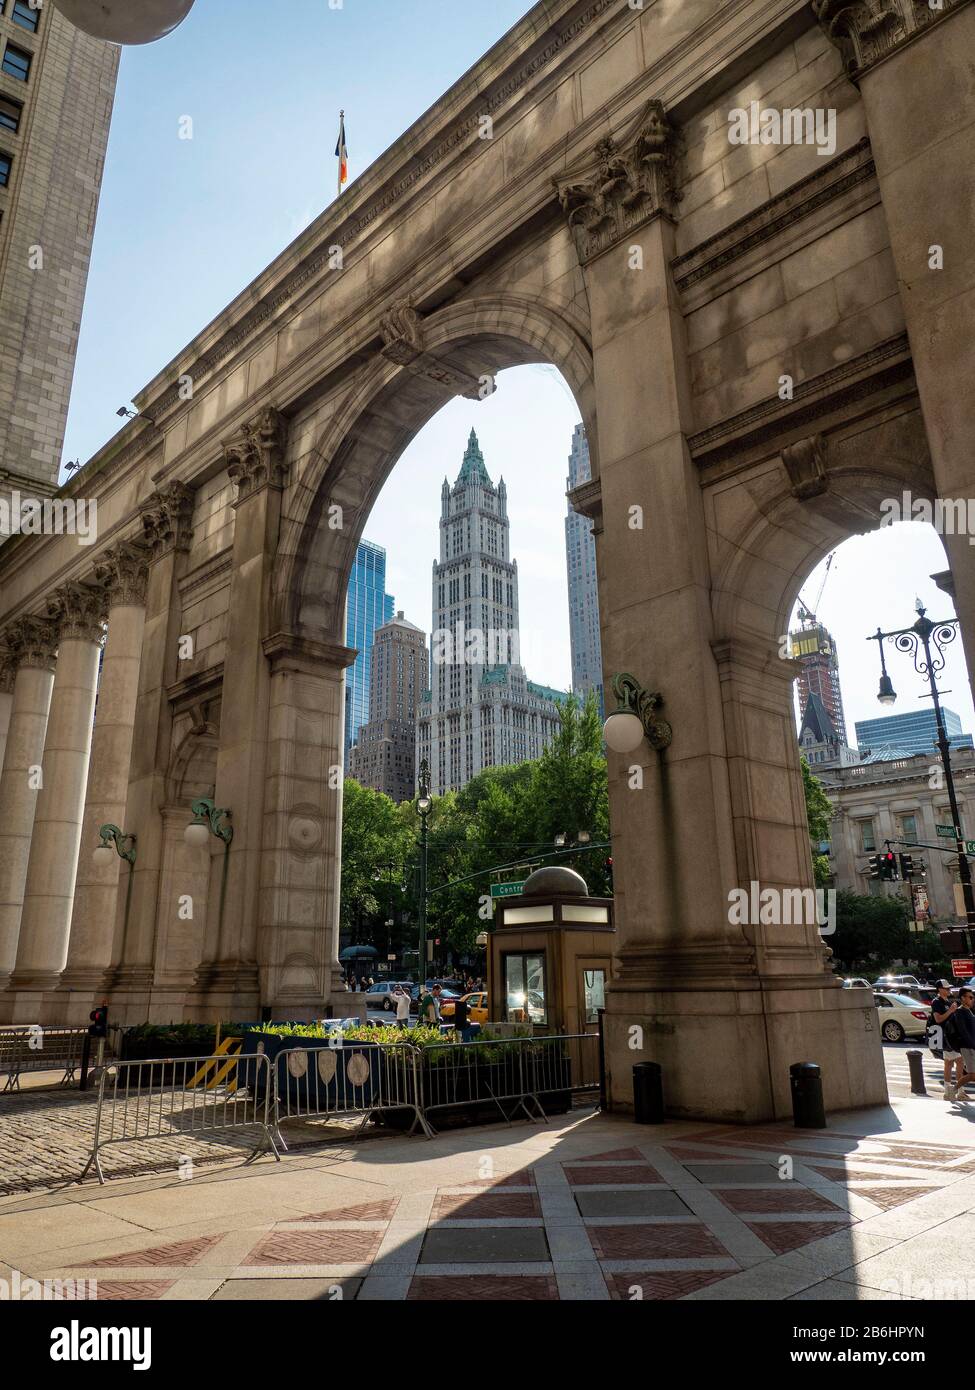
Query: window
[524,987]
[867,841]
[909,829]
[5,163]
[24,15]
[10,114]
[594,984]
[16,63]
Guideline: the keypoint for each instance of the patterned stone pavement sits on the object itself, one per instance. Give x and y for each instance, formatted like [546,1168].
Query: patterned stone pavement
[585,1207]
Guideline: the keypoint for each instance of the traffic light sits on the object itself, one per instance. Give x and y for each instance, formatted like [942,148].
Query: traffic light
[874,863]
[888,865]
[98,1028]
[907,867]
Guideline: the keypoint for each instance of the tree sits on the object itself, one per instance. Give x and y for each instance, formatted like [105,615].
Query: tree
[819,814]
[374,834]
[871,931]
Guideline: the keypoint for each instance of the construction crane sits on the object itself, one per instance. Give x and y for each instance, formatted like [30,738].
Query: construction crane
[806,613]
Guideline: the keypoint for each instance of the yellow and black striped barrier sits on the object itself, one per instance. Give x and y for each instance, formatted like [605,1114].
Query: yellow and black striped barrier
[214,1072]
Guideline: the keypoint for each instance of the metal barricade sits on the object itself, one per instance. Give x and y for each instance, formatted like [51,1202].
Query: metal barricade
[563,1062]
[158,1099]
[477,1073]
[38,1049]
[349,1078]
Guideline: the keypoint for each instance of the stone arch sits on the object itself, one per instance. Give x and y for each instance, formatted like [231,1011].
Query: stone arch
[386,406]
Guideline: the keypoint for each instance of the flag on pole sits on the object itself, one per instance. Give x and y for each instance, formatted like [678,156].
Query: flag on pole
[342,153]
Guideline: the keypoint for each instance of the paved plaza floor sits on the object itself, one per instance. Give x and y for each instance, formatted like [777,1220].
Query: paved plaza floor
[879,1206]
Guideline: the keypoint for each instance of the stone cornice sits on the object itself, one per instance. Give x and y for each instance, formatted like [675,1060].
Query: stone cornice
[850,381]
[288,652]
[854,166]
[587,500]
[628,180]
[868,31]
[166,519]
[255,455]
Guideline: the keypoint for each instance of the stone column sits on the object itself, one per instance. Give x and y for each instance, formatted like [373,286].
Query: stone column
[166,522]
[31,643]
[8,672]
[227,981]
[78,611]
[122,571]
[302,860]
[723,1006]
[913,65]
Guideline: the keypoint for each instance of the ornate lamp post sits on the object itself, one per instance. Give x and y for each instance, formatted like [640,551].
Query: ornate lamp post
[424,802]
[925,641]
[635,717]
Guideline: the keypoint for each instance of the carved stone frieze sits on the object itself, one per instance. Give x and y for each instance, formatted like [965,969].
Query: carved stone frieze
[78,610]
[629,180]
[166,519]
[255,456]
[30,641]
[123,572]
[805,463]
[866,31]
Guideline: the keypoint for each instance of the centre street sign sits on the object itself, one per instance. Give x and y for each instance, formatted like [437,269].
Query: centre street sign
[507,890]
[946,832]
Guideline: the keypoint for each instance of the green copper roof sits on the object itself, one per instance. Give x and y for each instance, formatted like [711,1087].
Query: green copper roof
[473,469]
[546,691]
[495,675]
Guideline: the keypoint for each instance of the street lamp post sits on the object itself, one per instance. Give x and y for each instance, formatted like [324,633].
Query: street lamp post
[423,805]
[925,641]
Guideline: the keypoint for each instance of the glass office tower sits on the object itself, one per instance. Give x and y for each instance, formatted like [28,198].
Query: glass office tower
[368,608]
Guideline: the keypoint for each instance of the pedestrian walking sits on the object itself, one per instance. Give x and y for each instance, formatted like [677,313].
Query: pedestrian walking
[401,1000]
[942,1009]
[962,1026]
[462,1023]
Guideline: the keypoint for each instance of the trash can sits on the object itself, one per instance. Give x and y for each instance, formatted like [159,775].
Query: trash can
[807,1096]
[648,1094]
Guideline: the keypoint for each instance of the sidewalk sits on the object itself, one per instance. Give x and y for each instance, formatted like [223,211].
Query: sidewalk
[588,1206]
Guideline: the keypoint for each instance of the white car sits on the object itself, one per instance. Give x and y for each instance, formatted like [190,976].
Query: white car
[895,982]
[857,982]
[901,1017]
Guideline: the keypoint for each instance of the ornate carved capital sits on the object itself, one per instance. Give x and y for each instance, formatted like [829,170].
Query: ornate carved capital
[865,31]
[78,610]
[122,572]
[630,180]
[403,343]
[805,463]
[30,641]
[255,456]
[166,518]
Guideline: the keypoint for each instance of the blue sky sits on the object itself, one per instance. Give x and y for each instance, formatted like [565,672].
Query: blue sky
[184,225]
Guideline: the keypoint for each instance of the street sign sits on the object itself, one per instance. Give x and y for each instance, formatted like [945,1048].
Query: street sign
[963,969]
[508,890]
[970,846]
[947,832]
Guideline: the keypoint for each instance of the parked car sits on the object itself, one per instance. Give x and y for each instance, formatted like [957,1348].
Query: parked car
[896,982]
[900,1017]
[477,1010]
[380,995]
[857,983]
[456,988]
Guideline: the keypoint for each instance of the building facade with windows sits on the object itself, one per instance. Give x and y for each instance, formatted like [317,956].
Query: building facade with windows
[481,710]
[57,88]
[580,564]
[384,754]
[812,646]
[878,801]
[368,607]
[916,731]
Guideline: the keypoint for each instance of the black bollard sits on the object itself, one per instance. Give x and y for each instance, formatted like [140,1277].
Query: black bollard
[648,1094]
[807,1096]
[915,1059]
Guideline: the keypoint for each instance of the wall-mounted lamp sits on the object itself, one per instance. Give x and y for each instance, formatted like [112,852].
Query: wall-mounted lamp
[635,717]
[114,842]
[208,819]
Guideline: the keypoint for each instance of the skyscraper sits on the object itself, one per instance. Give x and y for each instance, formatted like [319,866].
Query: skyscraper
[915,731]
[368,608]
[819,674]
[384,754]
[580,564]
[482,710]
[57,87]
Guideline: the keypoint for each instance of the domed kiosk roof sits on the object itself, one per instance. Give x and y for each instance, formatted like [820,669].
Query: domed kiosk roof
[555,880]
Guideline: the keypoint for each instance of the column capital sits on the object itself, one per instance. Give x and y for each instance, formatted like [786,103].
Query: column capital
[166,519]
[627,180]
[78,610]
[123,572]
[867,31]
[30,641]
[255,455]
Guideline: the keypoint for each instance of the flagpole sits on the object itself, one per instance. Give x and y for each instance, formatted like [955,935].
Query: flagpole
[340,149]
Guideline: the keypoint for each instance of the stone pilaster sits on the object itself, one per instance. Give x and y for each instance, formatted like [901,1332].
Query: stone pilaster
[227,979]
[166,521]
[123,574]
[78,612]
[8,673]
[31,644]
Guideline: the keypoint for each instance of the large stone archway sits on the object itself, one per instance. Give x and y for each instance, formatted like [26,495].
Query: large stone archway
[761,355]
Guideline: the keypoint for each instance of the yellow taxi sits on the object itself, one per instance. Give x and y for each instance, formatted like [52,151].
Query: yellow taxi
[477,1007]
